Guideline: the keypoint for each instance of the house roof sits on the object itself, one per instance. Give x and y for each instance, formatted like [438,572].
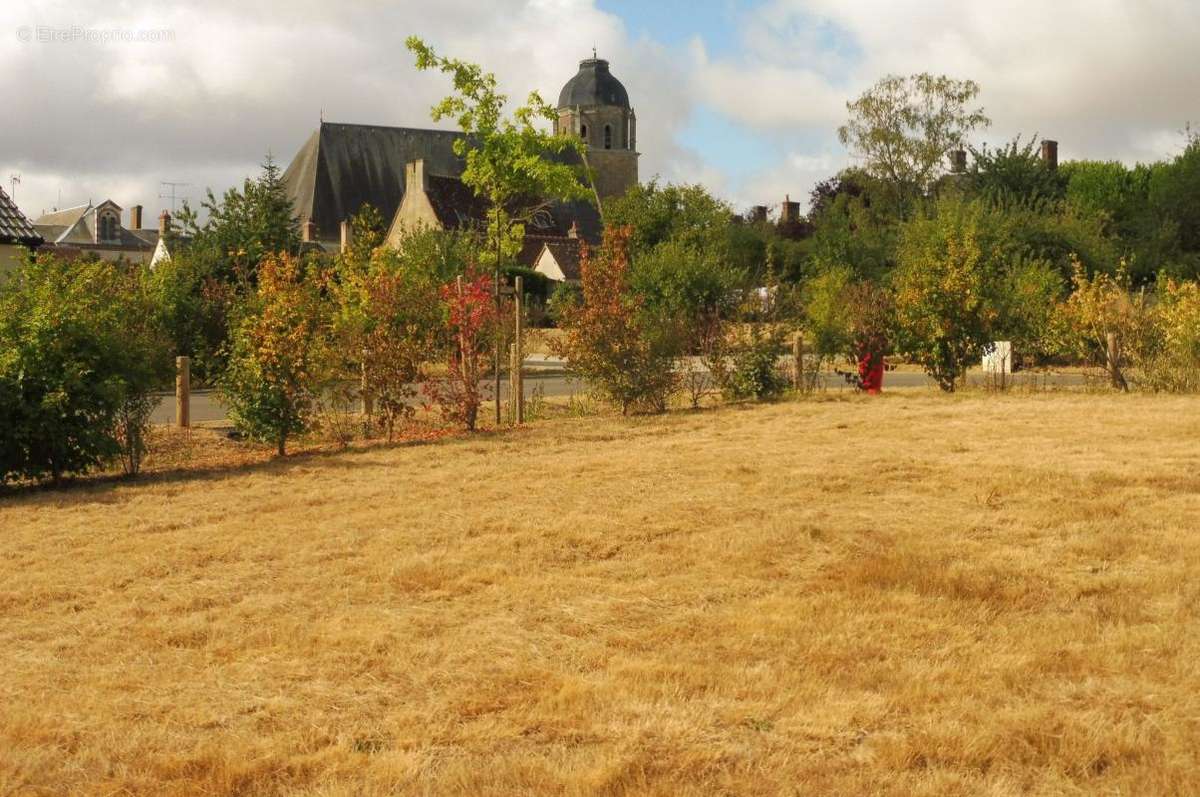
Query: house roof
[77,227]
[344,166]
[15,227]
[567,254]
[455,204]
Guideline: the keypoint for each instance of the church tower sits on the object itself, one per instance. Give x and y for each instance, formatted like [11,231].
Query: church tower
[595,106]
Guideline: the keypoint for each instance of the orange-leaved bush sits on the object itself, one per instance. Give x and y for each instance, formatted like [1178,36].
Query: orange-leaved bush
[278,351]
[612,342]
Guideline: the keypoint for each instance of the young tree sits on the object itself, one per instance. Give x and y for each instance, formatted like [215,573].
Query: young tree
[903,127]
[517,167]
[278,351]
[610,342]
[1104,319]
[944,306]
[471,323]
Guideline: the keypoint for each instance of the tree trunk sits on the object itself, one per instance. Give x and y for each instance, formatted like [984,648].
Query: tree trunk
[282,448]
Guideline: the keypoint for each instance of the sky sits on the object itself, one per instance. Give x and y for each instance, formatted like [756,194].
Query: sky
[110,100]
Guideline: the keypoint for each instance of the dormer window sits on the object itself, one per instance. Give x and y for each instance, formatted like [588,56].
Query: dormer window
[608,136]
[108,227]
[583,132]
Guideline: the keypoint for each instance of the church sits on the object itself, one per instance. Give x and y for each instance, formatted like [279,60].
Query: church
[412,176]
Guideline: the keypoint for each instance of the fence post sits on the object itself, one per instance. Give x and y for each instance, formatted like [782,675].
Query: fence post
[1114,361]
[518,377]
[183,392]
[798,362]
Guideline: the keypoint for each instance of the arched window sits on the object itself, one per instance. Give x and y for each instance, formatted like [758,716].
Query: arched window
[583,132]
[608,136]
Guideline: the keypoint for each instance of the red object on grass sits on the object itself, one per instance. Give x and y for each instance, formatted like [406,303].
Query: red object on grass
[870,372]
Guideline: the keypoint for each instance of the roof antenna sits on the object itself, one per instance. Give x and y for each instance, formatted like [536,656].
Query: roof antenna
[14,180]
[593,52]
[322,114]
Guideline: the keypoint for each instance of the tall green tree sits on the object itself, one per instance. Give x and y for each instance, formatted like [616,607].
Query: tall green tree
[514,164]
[245,226]
[903,127]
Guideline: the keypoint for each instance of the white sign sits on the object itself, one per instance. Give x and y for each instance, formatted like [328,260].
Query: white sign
[997,357]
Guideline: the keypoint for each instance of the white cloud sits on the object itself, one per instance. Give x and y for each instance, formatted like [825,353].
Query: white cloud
[1108,79]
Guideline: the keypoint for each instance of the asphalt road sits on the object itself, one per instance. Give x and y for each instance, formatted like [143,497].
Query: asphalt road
[553,382]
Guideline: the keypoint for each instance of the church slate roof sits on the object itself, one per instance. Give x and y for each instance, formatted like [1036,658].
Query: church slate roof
[593,85]
[15,228]
[344,166]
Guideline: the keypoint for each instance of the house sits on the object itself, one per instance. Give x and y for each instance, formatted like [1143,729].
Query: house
[17,234]
[559,260]
[97,230]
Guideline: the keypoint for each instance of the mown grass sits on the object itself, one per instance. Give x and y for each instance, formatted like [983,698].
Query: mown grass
[915,594]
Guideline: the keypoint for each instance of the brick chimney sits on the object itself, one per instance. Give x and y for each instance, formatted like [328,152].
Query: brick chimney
[135,217]
[958,161]
[347,235]
[1050,154]
[758,214]
[308,231]
[791,211]
[164,223]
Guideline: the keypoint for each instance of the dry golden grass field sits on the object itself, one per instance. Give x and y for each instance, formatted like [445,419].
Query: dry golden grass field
[915,594]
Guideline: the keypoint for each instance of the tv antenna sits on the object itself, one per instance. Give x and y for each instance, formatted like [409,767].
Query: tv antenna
[173,195]
[14,180]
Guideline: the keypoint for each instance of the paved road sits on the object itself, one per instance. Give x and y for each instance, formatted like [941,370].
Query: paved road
[547,376]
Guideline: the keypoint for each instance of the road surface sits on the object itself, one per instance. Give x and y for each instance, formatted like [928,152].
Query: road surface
[547,376]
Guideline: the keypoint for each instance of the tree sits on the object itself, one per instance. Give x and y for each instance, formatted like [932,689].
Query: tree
[518,168]
[944,307]
[80,354]
[471,324]
[1014,174]
[903,128]
[685,214]
[278,351]
[244,227]
[610,341]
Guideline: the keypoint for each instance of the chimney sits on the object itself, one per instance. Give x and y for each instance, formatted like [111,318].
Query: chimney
[135,217]
[574,231]
[308,231]
[415,175]
[758,214]
[1050,154]
[347,235]
[958,161]
[791,211]
[164,223]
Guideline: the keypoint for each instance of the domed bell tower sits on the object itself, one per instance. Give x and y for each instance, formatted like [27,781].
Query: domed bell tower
[595,106]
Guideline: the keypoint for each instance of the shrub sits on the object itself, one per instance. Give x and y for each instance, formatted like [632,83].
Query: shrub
[471,326]
[1098,308]
[278,352]
[754,371]
[1171,360]
[611,341]
[80,355]
[851,321]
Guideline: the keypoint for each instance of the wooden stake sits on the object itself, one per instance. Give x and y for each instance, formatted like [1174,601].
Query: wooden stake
[518,379]
[183,392]
[798,362]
